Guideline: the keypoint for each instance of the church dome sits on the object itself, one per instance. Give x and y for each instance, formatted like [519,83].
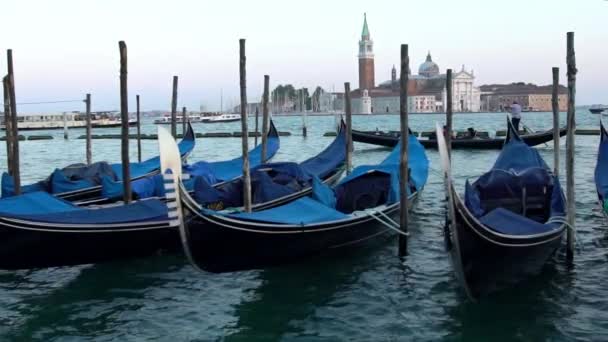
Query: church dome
[428,68]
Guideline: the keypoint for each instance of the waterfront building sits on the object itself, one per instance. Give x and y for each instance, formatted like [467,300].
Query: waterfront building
[426,90]
[498,97]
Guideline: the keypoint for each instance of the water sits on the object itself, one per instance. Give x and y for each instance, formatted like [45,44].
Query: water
[370,295]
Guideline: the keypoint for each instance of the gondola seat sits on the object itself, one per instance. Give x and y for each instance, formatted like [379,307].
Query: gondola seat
[507,222]
[527,194]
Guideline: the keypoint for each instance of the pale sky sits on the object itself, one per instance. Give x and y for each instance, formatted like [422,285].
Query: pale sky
[64,49]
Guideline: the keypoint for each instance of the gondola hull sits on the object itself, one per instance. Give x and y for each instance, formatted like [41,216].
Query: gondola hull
[390,140]
[221,244]
[25,246]
[486,262]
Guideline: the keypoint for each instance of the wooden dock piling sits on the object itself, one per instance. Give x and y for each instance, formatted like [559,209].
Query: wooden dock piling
[555,107]
[14,123]
[303,105]
[65,126]
[124,114]
[571,65]
[448,111]
[138,130]
[349,127]
[403,160]
[174,108]
[265,117]
[257,114]
[89,153]
[184,121]
[244,130]
[8,124]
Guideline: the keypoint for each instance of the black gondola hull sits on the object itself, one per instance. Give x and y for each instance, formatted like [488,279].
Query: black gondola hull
[487,262]
[223,245]
[23,246]
[391,140]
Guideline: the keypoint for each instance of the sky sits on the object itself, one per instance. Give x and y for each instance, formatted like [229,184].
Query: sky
[64,49]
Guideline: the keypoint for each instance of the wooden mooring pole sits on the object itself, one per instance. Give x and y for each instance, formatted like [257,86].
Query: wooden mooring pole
[257,114]
[14,123]
[403,160]
[184,121]
[571,65]
[265,117]
[138,130]
[65,126]
[304,123]
[244,130]
[448,111]
[124,114]
[89,134]
[8,124]
[349,127]
[555,107]
[174,108]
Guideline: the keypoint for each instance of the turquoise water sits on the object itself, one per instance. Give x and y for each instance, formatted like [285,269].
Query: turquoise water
[369,295]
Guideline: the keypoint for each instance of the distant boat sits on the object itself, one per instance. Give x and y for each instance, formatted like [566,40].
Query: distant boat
[222,118]
[69,120]
[166,119]
[598,109]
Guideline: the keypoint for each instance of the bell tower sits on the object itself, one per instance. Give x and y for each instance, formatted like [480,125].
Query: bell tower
[366,59]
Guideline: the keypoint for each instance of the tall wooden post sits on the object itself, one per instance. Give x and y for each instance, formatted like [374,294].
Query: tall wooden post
[14,122]
[403,160]
[349,127]
[265,117]
[257,114]
[245,132]
[138,130]
[304,130]
[448,111]
[555,107]
[8,124]
[65,126]
[184,121]
[174,108]
[87,101]
[571,65]
[124,114]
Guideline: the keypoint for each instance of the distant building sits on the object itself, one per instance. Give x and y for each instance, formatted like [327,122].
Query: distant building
[426,91]
[498,97]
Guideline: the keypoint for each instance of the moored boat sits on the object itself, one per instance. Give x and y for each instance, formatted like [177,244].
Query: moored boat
[465,142]
[356,211]
[79,182]
[509,223]
[70,120]
[601,170]
[598,109]
[221,118]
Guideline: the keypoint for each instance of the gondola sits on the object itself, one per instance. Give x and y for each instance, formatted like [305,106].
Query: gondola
[40,230]
[274,184]
[601,170]
[509,223]
[214,173]
[80,182]
[481,143]
[359,209]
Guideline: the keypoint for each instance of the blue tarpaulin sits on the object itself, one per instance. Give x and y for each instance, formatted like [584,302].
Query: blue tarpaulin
[302,211]
[81,176]
[520,178]
[601,167]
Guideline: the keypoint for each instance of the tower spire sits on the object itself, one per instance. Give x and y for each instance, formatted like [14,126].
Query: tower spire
[365,31]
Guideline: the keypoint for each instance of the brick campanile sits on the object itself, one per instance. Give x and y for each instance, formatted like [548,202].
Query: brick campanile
[366,59]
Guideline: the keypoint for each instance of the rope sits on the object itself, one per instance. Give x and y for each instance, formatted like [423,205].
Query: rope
[390,223]
[563,220]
